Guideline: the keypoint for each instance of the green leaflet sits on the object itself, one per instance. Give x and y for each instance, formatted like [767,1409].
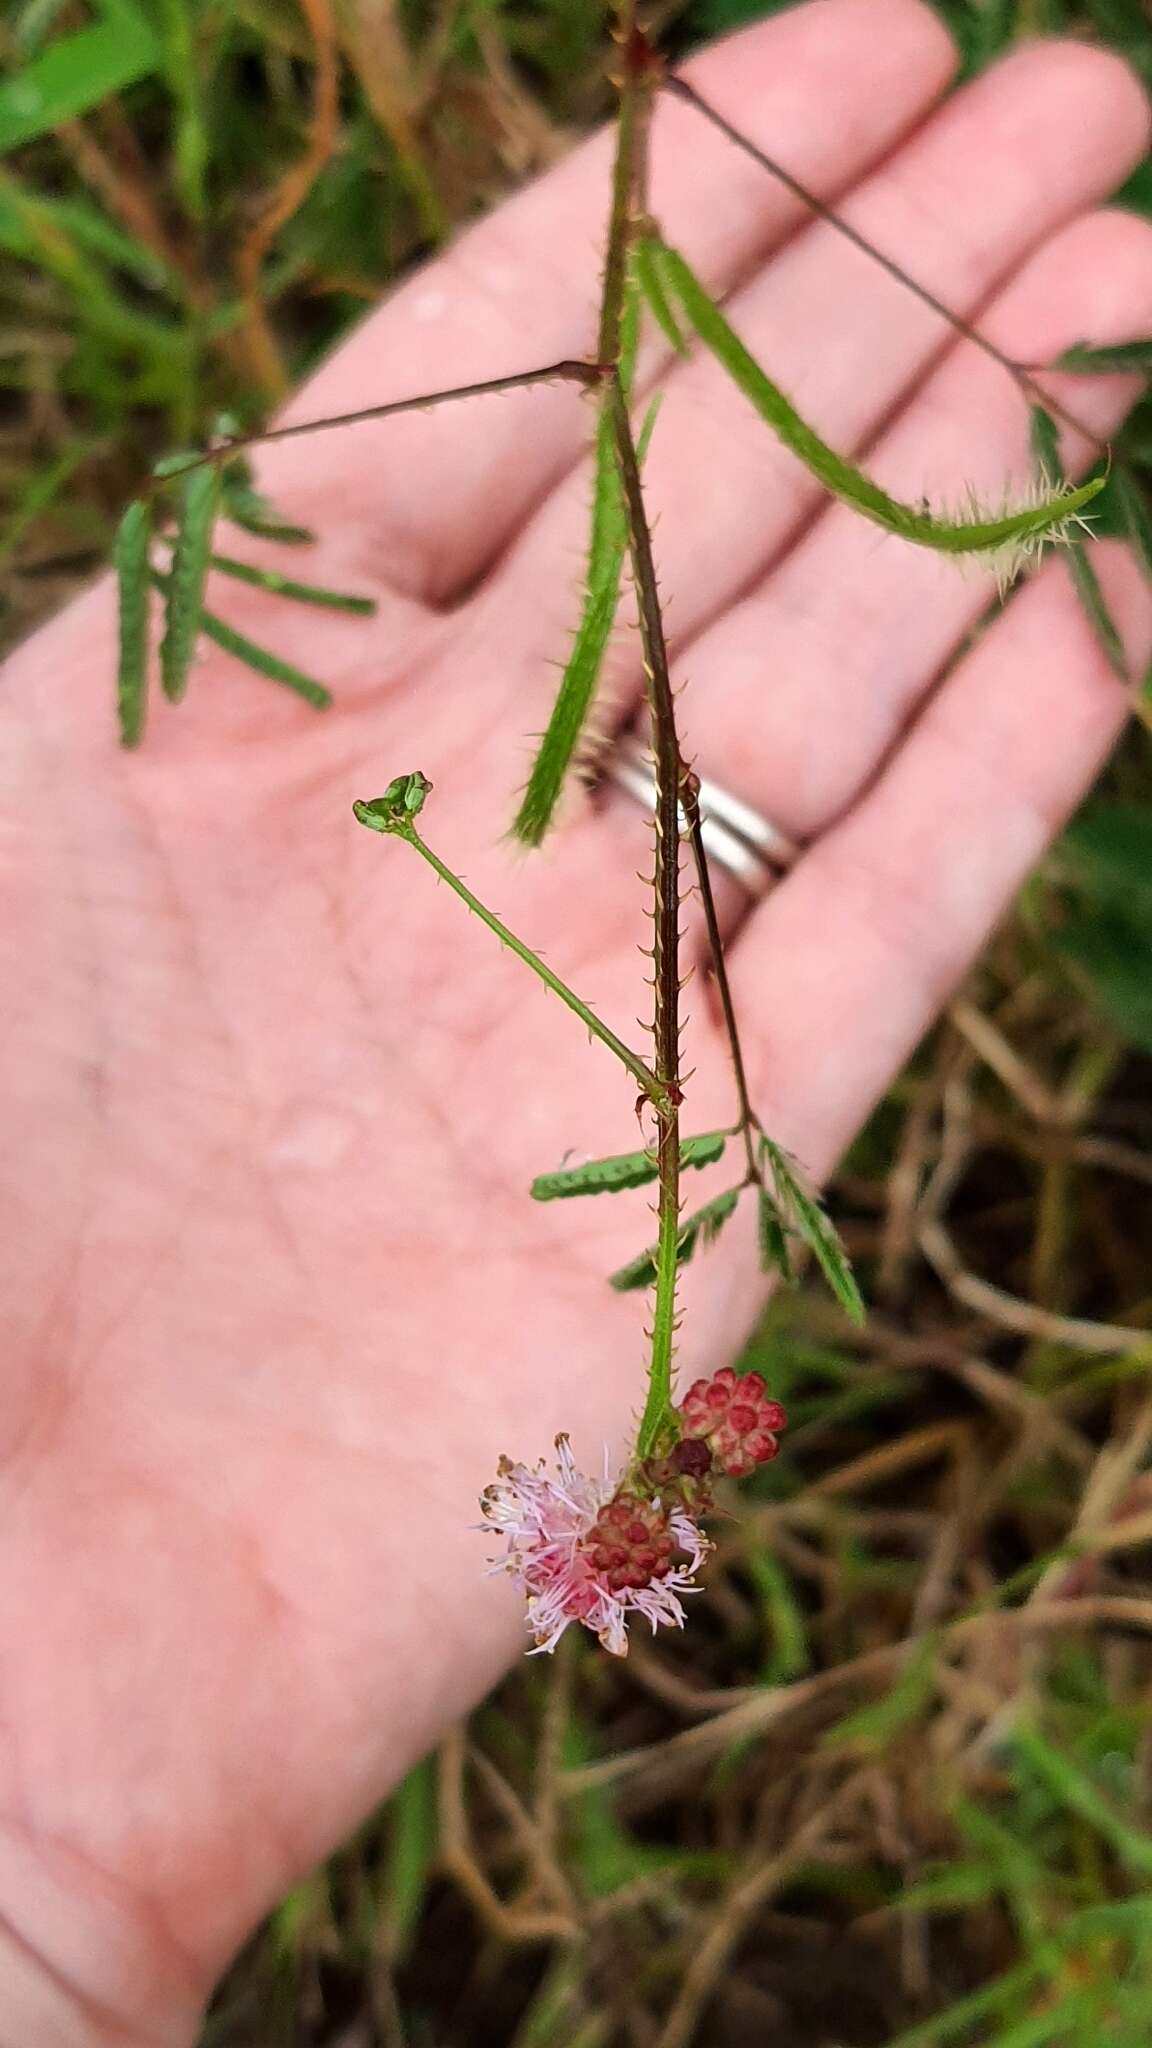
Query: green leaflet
[284,586]
[130,555]
[1046,447]
[254,513]
[571,708]
[912,522]
[199,495]
[256,657]
[624,1170]
[1095,362]
[607,546]
[241,502]
[1045,435]
[696,1231]
[1136,516]
[265,662]
[800,1211]
[775,1256]
[652,289]
[1092,598]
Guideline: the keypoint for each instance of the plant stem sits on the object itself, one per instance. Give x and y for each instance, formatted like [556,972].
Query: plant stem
[619,231]
[569,370]
[649,1082]
[629,179]
[690,798]
[629,198]
[1021,373]
[666,927]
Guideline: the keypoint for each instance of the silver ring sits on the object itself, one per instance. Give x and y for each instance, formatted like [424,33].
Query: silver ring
[750,848]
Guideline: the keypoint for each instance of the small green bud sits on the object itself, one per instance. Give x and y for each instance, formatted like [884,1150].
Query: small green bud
[403,799]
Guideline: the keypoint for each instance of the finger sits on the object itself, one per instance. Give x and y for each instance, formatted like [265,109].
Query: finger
[852,957]
[959,205]
[797,694]
[438,495]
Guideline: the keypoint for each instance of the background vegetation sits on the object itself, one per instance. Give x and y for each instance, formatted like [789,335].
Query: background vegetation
[894,1786]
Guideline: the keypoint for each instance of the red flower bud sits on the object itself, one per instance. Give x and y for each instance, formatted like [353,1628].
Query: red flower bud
[630,1543]
[734,1416]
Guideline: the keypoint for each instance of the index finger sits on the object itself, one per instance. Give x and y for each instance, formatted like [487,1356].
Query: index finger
[830,87]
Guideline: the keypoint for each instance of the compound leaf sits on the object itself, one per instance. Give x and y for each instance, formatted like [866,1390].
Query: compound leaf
[1012,534]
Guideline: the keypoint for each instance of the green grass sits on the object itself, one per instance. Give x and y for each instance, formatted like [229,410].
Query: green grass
[963,1826]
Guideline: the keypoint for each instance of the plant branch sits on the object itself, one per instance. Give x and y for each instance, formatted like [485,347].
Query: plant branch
[570,370]
[386,815]
[690,798]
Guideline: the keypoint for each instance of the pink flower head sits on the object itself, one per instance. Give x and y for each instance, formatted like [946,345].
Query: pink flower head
[733,1414]
[590,1551]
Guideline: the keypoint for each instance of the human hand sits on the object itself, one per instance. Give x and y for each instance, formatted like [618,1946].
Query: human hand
[275,1298]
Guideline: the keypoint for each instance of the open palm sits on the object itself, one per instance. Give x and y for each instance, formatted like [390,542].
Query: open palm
[274,1298]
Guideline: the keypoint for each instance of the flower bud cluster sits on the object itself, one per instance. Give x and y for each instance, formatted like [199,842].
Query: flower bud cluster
[631,1542]
[733,1415]
[598,1552]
